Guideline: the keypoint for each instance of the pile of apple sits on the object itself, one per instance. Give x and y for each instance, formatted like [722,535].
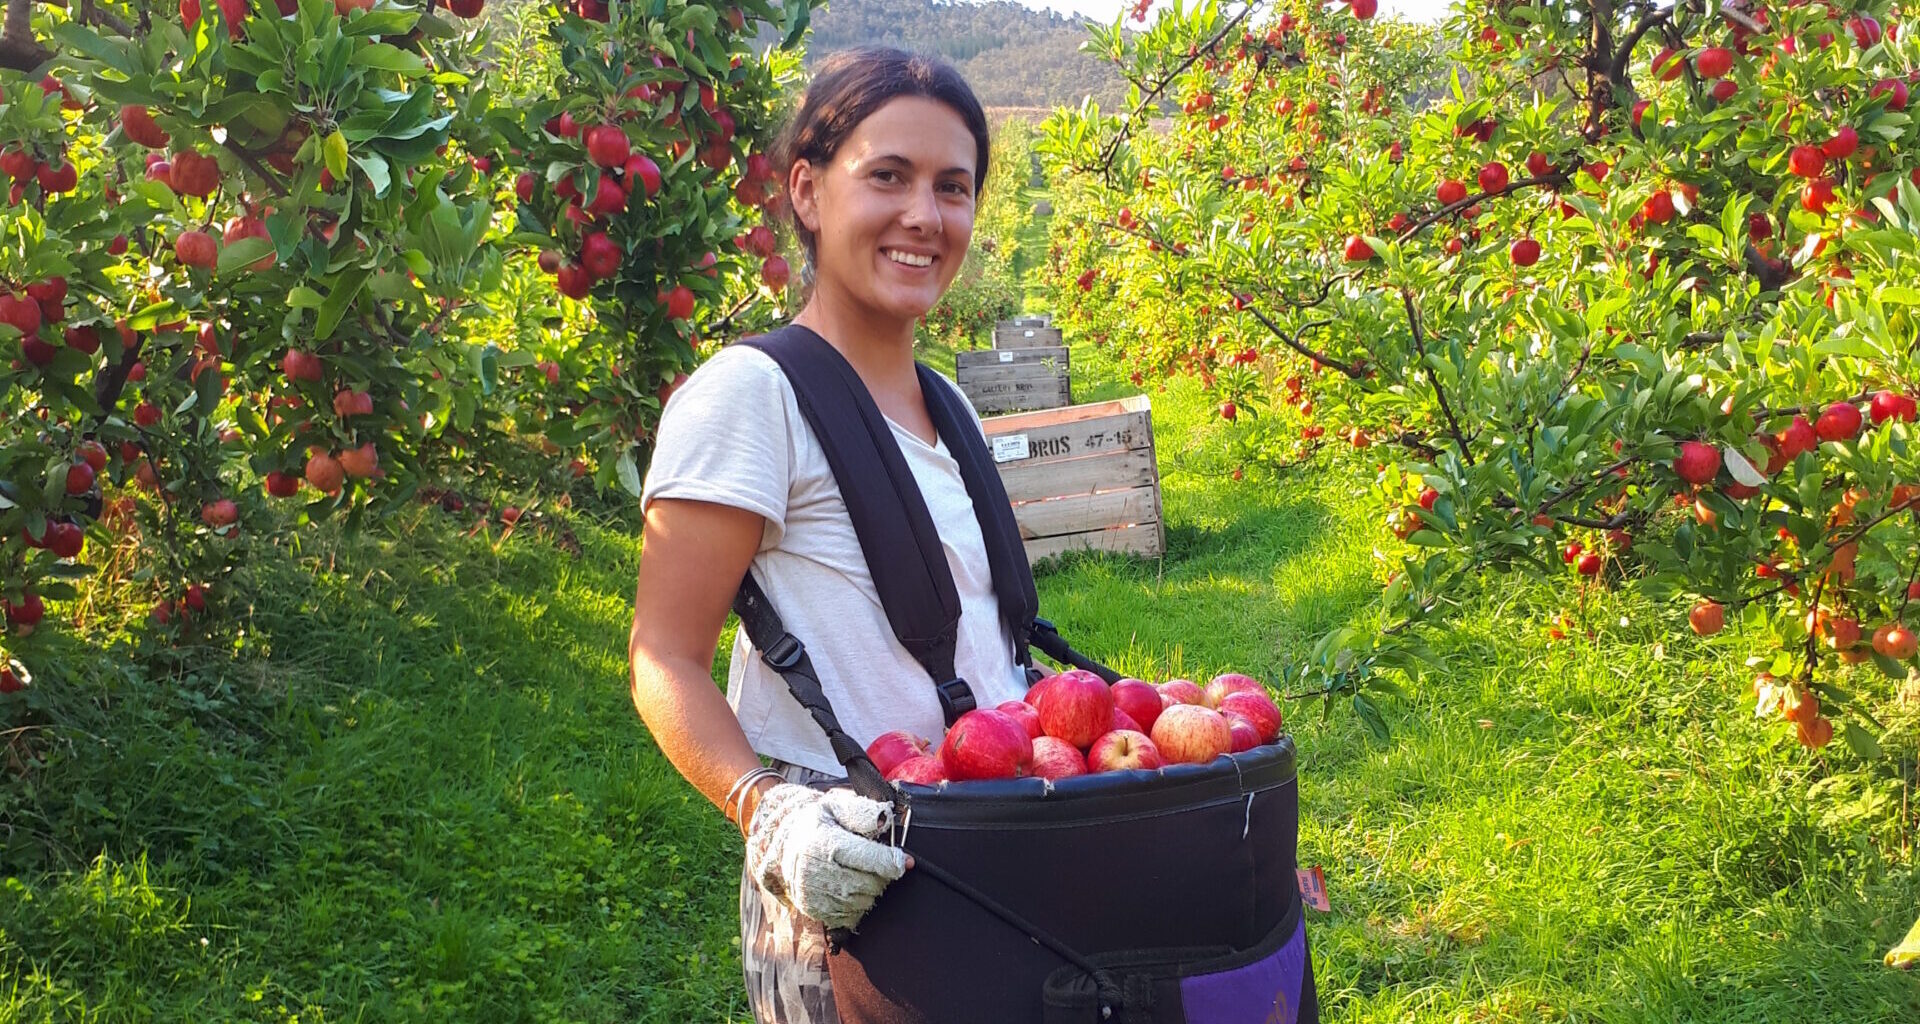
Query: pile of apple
[1073,723]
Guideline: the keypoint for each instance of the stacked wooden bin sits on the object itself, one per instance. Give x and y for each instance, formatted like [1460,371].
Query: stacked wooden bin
[1082,477]
[1079,476]
[1014,379]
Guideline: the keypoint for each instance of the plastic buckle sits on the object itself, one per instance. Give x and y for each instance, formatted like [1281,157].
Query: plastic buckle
[785,654]
[1041,625]
[956,698]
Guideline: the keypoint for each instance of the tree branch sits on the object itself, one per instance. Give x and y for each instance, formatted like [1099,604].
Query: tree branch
[1351,372]
[1554,178]
[1148,98]
[18,49]
[93,15]
[1420,346]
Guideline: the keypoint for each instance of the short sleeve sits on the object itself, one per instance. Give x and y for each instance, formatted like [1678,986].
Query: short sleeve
[726,437]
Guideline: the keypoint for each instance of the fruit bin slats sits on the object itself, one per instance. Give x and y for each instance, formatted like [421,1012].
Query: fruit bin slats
[1082,477]
[1027,337]
[1014,380]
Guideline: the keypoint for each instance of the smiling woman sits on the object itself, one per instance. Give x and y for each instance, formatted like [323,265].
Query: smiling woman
[884,163]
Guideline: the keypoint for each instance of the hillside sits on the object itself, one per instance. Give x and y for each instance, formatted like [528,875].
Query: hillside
[1012,55]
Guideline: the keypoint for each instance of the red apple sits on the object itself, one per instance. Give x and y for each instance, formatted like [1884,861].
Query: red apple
[925,770]
[1181,691]
[1076,708]
[1229,682]
[1122,749]
[1055,758]
[986,744]
[1838,422]
[1698,462]
[1241,734]
[1191,734]
[895,747]
[1258,709]
[1122,720]
[1023,712]
[1139,701]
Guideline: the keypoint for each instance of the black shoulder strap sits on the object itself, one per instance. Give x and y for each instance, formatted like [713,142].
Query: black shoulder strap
[1006,553]
[896,532]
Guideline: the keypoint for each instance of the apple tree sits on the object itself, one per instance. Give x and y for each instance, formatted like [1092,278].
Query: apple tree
[256,253]
[639,178]
[1621,291]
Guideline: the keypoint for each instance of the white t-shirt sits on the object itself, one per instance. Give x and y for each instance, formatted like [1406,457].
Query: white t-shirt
[734,435]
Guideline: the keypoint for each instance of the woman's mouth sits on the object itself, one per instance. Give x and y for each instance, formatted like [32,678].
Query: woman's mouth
[909,259]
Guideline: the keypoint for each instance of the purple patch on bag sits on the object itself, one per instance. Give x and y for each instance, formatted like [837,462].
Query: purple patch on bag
[1266,991]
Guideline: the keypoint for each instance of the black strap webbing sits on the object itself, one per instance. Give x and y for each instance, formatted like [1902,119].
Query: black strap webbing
[1006,553]
[784,653]
[897,536]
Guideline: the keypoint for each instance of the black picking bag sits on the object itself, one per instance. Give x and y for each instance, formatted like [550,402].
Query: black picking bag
[1153,897]
[1178,885]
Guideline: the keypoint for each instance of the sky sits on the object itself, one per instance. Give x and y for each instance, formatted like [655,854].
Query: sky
[1419,10]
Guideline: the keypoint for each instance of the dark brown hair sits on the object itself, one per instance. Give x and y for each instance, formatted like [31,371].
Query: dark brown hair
[849,86]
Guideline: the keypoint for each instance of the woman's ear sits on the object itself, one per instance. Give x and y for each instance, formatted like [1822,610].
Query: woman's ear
[802,194]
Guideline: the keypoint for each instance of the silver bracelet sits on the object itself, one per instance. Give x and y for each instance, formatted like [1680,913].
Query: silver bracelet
[740,786]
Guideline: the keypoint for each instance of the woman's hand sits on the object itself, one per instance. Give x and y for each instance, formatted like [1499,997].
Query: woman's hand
[816,851]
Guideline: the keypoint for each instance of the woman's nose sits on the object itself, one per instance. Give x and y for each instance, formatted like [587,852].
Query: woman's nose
[922,212]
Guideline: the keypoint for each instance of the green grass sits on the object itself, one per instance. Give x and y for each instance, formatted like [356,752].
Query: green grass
[420,793]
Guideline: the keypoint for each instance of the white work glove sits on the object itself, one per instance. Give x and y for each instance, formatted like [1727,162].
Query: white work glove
[815,851]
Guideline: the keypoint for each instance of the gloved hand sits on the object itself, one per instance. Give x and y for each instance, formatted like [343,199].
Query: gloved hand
[815,851]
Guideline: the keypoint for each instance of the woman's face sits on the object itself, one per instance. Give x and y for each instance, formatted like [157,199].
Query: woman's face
[892,210]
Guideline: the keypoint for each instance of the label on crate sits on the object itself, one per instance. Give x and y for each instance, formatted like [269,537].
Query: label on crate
[1006,357]
[1010,448]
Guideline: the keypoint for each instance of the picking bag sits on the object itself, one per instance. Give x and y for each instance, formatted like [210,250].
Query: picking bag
[1174,889]
[1164,896]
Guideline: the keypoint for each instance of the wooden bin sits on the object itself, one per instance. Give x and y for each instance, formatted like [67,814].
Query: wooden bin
[1014,379]
[1027,337]
[1040,320]
[1082,477]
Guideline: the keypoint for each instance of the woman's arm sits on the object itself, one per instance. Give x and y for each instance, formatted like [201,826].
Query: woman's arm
[693,556]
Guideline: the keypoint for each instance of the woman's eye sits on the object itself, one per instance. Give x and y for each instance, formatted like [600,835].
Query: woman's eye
[886,175]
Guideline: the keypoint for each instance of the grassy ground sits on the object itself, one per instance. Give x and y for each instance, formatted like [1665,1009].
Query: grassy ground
[423,795]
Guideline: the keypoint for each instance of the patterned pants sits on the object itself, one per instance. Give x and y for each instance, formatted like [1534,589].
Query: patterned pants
[784,954]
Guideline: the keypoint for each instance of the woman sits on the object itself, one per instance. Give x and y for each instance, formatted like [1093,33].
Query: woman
[886,159]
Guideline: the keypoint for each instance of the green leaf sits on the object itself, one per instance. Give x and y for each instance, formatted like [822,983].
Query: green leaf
[345,289]
[120,55]
[628,472]
[388,57]
[1862,741]
[390,22]
[334,152]
[242,254]
[1371,719]
[374,166]
[160,312]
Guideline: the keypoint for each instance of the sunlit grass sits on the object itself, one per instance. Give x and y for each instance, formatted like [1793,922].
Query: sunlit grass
[422,794]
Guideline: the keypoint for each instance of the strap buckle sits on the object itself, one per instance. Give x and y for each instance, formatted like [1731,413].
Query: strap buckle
[956,698]
[785,654]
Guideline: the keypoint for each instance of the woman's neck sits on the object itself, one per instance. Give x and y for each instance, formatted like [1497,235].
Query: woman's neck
[879,351]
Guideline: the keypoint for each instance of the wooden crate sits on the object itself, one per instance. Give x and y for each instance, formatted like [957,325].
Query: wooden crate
[1027,337]
[1038,320]
[1082,477]
[1014,379]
